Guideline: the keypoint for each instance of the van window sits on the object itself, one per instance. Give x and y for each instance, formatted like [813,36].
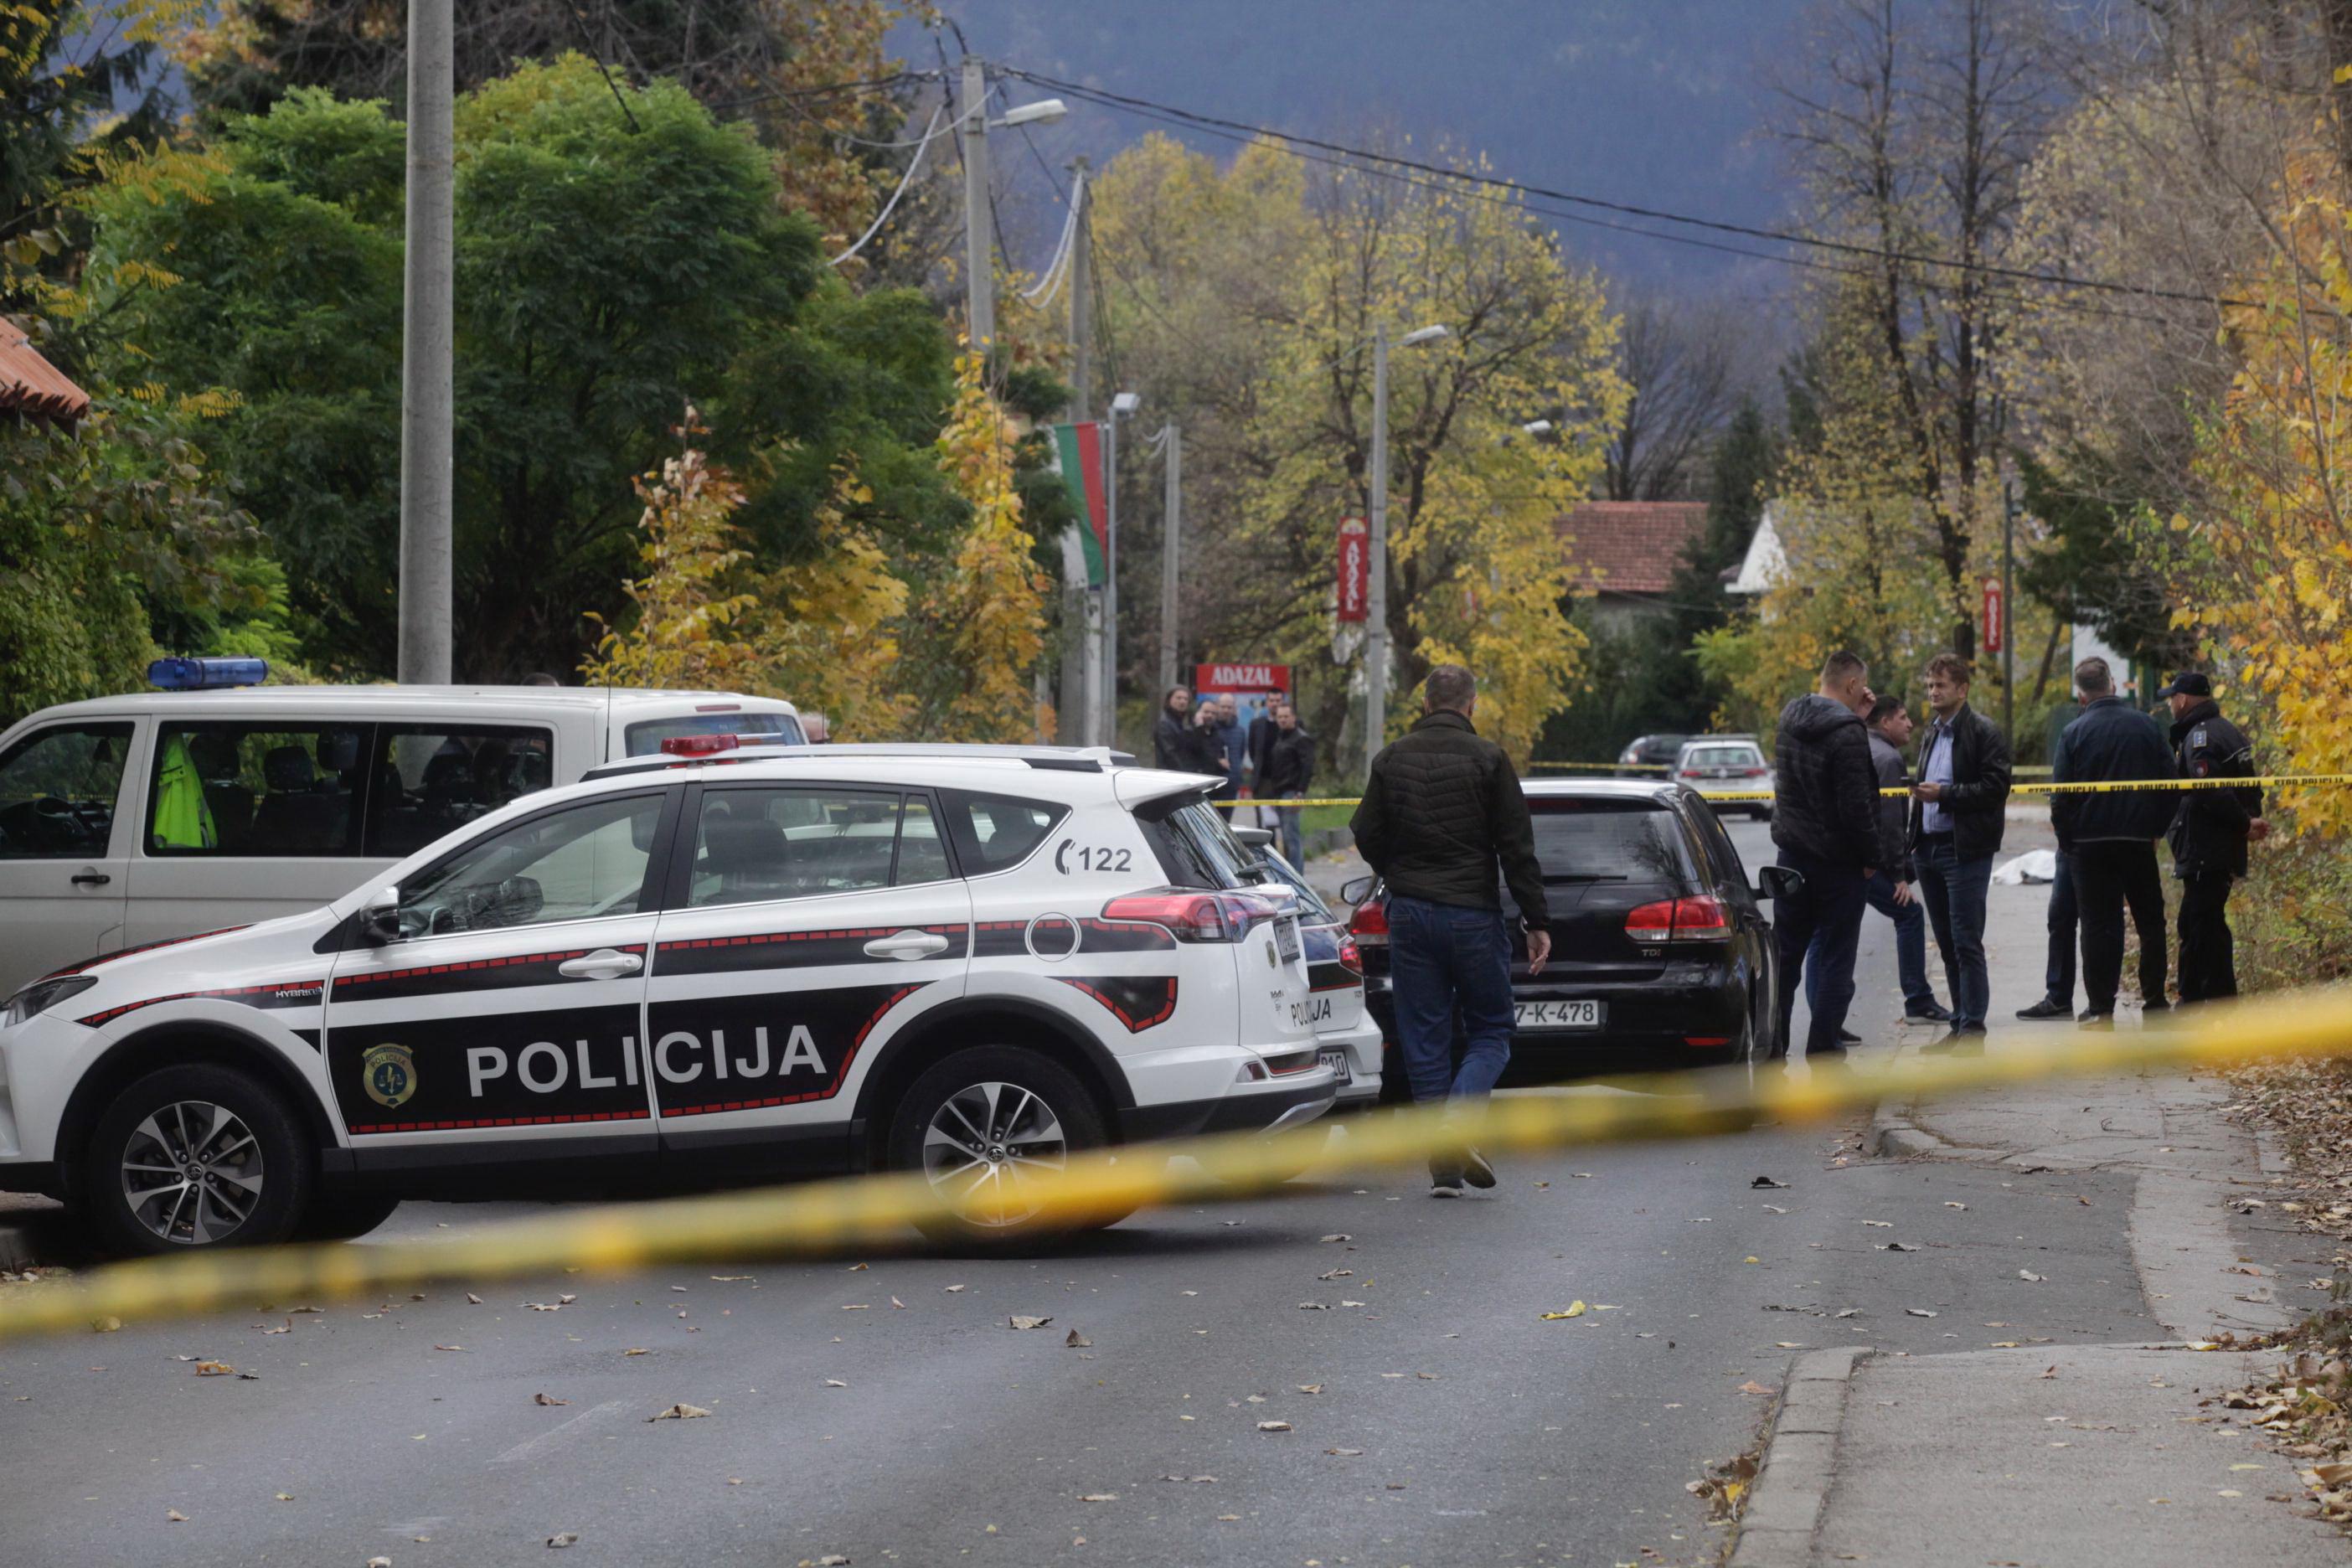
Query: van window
[757,729]
[58,790]
[993,832]
[255,788]
[427,780]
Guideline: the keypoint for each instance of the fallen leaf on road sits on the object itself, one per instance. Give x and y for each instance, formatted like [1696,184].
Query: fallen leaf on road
[1575,1309]
[473,1299]
[1355,1304]
[1751,1260]
[379,1563]
[448,1347]
[214,1369]
[1880,1224]
[1895,1247]
[679,1413]
[2005,1344]
[855,1268]
[546,1399]
[1227,1517]
[1097,1497]
[679,1289]
[1767,1181]
[297,1311]
[1340,1235]
[560,1301]
[732,1278]
[1949,1205]
[1752,1386]
[1274,1426]
[543,1306]
[1787,1345]
[568,1538]
[287,1330]
[1426,1377]
[1314,1306]
[897,1304]
[1774,1208]
[175,1516]
[1346,1453]
[2029,1273]
[637,1352]
[951,1290]
[1336,1274]
[2050,1371]
[1020,1322]
[857,1307]
[835,1383]
[1311,1388]
[1078,1340]
[288,1497]
[105,1325]
[831,1560]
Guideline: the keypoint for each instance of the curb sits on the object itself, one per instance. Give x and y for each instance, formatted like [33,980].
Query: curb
[1776,1529]
[16,1246]
[1893,1137]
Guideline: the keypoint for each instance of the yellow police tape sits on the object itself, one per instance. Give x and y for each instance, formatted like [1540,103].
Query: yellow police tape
[853,1215]
[2267,781]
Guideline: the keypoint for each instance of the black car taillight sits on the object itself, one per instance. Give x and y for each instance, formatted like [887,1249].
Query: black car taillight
[1369,926]
[1679,919]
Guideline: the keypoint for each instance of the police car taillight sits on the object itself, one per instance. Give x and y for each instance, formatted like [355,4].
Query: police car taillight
[1351,958]
[700,745]
[204,674]
[1192,916]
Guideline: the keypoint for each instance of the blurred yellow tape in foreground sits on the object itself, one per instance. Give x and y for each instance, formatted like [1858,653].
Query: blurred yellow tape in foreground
[860,1213]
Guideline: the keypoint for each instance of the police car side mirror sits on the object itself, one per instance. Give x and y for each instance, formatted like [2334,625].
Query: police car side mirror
[1355,891]
[1779,882]
[380,918]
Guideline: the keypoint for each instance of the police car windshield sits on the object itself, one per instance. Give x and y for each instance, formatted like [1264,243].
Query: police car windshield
[772,729]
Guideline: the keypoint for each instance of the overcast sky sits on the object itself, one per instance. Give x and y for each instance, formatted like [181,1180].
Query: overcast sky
[1662,103]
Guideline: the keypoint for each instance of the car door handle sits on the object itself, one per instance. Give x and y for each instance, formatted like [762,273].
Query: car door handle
[91,879]
[604,963]
[908,945]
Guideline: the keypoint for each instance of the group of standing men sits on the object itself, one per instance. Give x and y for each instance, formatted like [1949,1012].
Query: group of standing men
[1271,758]
[1841,749]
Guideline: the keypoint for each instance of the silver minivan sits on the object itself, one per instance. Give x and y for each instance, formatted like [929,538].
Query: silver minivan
[135,819]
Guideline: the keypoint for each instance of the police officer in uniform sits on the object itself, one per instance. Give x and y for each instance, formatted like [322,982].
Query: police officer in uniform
[2210,829]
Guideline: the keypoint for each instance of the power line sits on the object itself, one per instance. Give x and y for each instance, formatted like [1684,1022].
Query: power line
[1245,131]
[589,43]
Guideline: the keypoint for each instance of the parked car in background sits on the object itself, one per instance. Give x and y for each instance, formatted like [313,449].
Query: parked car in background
[1345,1038]
[214,801]
[1650,754]
[1662,956]
[1727,763]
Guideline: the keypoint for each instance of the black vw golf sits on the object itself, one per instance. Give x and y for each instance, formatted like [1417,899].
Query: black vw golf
[1662,956]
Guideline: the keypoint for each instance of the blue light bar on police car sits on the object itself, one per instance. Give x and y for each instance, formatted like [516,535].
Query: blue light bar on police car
[200,674]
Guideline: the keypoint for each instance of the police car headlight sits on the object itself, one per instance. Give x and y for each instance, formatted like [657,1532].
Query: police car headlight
[43,995]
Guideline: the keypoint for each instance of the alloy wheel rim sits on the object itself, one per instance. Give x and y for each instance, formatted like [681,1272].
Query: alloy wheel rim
[191,1173]
[985,1146]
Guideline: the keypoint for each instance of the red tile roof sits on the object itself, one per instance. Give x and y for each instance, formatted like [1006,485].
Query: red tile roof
[30,384]
[1628,546]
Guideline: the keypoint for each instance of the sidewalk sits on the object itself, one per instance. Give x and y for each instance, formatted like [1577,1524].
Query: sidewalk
[2060,1455]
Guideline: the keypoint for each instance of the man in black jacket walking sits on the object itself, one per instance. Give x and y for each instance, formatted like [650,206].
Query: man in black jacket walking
[1442,810]
[1825,821]
[1956,819]
[2109,839]
[2210,829]
[1290,768]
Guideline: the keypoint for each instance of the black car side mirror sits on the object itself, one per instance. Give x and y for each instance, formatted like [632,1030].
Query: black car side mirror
[1779,882]
[1355,890]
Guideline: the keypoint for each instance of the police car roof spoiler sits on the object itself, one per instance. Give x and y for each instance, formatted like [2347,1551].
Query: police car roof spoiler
[1057,759]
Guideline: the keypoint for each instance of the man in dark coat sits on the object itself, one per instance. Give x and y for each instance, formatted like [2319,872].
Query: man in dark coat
[1290,769]
[1825,822]
[1957,815]
[1443,820]
[1889,890]
[1178,742]
[2210,829]
[2109,838]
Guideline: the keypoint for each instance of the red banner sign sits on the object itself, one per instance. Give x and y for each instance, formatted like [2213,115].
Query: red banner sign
[1996,616]
[1242,677]
[1355,569]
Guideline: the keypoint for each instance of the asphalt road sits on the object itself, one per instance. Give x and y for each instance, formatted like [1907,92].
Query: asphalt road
[1449,1422]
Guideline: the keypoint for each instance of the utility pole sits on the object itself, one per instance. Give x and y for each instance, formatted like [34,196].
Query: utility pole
[428,379]
[978,252]
[1081,627]
[1376,607]
[1108,735]
[1082,294]
[1171,548]
[2008,610]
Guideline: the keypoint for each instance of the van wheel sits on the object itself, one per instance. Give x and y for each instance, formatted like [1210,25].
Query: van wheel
[981,1126]
[195,1156]
[340,1218]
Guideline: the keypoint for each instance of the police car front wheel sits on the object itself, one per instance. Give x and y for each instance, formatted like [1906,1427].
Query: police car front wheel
[194,1156]
[984,1126]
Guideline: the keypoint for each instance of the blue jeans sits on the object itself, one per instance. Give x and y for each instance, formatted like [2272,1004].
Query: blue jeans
[1910,943]
[1443,958]
[1818,931]
[1287,830]
[1955,892]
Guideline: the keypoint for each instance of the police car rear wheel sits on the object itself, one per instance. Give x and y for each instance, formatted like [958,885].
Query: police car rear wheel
[982,1126]
[195,1156]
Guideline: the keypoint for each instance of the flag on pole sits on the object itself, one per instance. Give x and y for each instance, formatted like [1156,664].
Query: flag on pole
[1079,454]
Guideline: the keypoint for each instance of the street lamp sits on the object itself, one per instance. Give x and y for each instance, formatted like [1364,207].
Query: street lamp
[1044,112]
[1376,608]
[1123,407]
[1537,426]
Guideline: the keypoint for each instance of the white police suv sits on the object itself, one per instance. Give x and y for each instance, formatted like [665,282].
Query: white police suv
[719,965]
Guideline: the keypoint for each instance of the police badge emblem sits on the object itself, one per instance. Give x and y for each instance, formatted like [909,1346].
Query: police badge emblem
[388,1073]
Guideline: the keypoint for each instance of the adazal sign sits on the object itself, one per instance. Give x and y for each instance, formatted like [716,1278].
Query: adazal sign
[1242,677]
